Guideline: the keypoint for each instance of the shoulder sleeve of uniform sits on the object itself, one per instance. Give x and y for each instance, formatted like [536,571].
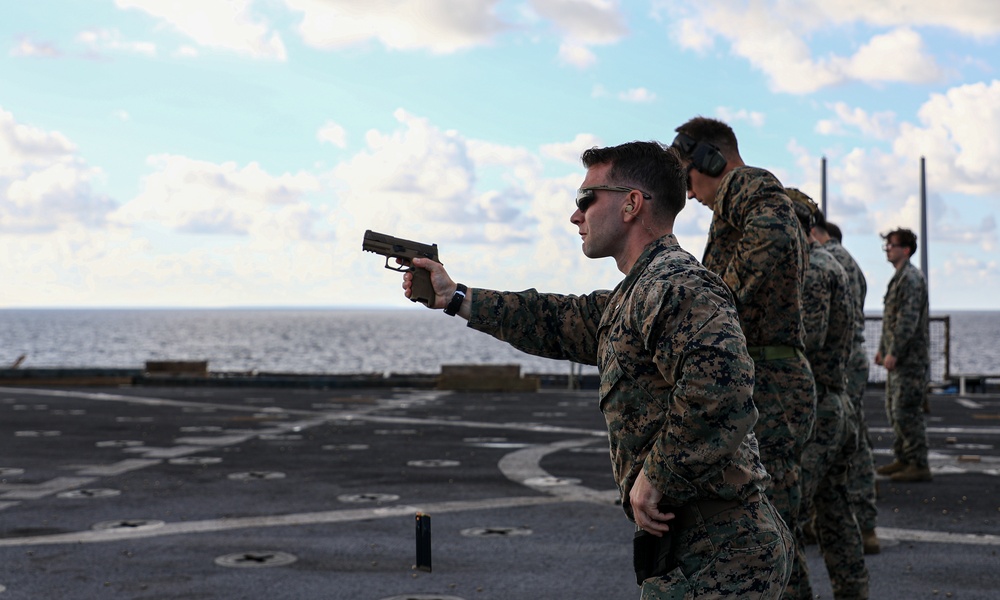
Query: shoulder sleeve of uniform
[555,326]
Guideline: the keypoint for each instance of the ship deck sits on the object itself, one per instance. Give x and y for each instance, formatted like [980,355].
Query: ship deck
[155,492]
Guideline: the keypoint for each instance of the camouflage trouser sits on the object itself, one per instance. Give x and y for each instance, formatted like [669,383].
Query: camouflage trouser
[825,463]
[744,552]
[785,395]
[906,390]
[861,475]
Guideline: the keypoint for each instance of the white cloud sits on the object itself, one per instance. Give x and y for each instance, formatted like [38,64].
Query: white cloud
[440,26]
[958,136]
[193,196]
[186,52]
[577,55]
[569,152]
[27,47]
[879,125]
[44,184]
[899,55]
[419,177]
[754,118]
[637,95]
[332,133]
[773,36]
[970,17]
[225,24]
[584,21]
[104,40]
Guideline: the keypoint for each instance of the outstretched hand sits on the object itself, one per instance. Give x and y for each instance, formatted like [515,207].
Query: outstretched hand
[444,287]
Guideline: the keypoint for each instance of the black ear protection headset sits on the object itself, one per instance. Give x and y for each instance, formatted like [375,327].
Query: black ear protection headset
[705,157]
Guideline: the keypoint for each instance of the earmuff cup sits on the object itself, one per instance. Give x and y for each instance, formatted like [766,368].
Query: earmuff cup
[705,157]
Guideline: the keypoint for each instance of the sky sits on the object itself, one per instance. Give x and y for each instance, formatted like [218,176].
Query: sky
[232,153]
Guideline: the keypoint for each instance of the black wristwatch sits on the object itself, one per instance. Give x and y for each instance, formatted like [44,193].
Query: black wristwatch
[456,300]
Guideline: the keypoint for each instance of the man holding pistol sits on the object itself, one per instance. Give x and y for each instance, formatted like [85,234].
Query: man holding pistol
[676,381]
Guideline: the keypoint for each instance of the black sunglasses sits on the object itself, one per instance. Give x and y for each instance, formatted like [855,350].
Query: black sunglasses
[586,196]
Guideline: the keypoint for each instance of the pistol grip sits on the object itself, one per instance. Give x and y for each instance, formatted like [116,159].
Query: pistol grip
[421,289]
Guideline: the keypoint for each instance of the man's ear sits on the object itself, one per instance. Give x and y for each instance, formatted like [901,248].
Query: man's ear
[633,204]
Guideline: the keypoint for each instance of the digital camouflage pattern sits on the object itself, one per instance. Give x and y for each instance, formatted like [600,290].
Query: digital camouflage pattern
[906,335]
[755,243]
[829,317]
[905,323]
[861,475]
[858,283]
[747,551]
[757,246]
[676,392]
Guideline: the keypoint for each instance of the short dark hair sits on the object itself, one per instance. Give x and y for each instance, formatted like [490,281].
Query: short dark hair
[834,231]
[904,237]
[713,131]
[648,166]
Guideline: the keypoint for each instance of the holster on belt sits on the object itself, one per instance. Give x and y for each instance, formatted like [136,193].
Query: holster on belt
[652,556]
[656,556]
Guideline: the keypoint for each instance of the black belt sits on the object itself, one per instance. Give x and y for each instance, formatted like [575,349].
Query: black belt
[704,508]
[759,353]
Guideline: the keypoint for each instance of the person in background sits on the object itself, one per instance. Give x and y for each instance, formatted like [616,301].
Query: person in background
[676,381]
[756,245]
[834,231]
[861,476]
[904,351]
[829,319]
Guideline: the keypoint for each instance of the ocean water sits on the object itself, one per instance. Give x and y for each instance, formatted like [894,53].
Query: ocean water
[278,340]
[329,341]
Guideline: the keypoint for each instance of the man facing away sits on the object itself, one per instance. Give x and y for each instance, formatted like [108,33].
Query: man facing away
[675,381]
[861,476]
[829,320]
[904,351]
[755,243]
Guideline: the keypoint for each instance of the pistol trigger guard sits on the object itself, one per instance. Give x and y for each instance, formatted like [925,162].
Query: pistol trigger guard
[398,269]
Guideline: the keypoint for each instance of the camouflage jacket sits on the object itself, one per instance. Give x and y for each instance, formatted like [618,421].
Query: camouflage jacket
[828,316]
[757,246]
[905,323]
[859,286]
[676,379]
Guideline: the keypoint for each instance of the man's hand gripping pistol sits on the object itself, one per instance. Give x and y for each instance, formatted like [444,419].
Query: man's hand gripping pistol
[405,250]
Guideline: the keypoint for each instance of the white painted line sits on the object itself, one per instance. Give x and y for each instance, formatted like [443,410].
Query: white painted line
[917,535]
[968,403]
[33,491]
[174,452]
[118,468]
[291,520]
[524,467]
[946,430]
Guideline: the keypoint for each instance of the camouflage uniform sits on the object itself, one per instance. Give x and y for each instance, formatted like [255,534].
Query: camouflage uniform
[757,246]
[906,335]
[676,385]
[861,475]
[829,319]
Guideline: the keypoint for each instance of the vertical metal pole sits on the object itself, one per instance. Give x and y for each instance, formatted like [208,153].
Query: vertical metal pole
[823,196]
[923,224]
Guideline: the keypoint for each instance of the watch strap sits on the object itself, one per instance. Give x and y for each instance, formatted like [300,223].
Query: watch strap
[456,300]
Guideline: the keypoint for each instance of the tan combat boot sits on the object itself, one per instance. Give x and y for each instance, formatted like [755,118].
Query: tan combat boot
[870,541]
[893,467]
[912,473]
